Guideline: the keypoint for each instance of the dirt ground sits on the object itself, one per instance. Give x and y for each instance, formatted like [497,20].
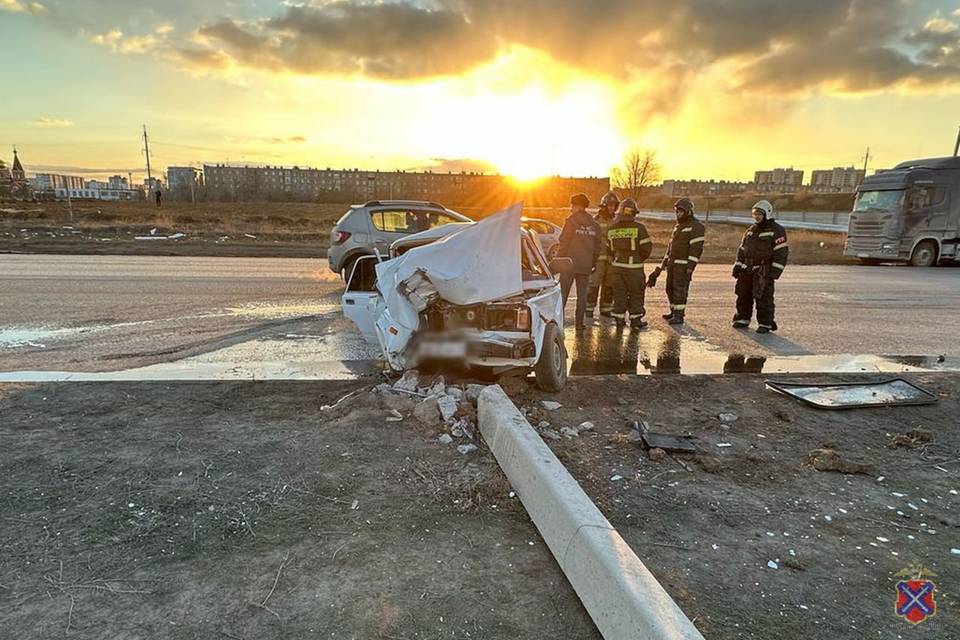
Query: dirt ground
[246,510]
[708,525]
[280,229]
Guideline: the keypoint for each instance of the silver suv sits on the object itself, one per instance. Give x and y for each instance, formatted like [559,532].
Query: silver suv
[367,229]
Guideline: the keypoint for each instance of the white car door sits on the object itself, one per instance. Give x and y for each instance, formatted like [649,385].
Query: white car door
[361,302]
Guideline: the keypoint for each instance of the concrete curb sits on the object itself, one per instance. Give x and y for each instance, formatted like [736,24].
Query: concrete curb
[620,594]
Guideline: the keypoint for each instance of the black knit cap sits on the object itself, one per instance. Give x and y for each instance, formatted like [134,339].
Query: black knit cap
[580,200]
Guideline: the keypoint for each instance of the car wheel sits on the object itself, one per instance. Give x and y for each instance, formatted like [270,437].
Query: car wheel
[925,254]
[551,368]
[553,251]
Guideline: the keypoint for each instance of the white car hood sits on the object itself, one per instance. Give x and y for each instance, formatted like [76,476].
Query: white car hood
[480,263]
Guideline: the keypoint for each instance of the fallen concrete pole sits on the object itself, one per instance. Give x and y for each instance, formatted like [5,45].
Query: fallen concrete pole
[620,594]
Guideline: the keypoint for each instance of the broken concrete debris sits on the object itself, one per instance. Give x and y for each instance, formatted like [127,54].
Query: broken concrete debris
[447,406]
[427,412]
[433,403]
[569,432]
[409,381]
[472,393]
[585,426]
[550,405]
[728,417]
[467,448]
[551,434]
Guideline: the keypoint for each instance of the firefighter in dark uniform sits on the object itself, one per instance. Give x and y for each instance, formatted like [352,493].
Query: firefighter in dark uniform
[580,240]
[628,244]
[682,257]
[601,287]
[761,259]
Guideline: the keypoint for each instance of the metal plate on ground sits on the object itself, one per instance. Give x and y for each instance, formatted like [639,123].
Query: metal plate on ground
[856,395]
[669,443]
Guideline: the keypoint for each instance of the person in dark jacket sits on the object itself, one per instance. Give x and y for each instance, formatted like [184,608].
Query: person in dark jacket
[601,280]
[582,242]
[629,245]
[682,257]
[761,259]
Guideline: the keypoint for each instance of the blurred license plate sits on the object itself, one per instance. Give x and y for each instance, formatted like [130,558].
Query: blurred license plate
[445,350]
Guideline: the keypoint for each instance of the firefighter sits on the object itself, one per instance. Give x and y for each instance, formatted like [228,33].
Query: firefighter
[580,241]
[601,286]
[682,257]
[628,244]
[761,259]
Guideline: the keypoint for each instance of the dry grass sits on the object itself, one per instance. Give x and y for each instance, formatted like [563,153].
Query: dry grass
[311,223]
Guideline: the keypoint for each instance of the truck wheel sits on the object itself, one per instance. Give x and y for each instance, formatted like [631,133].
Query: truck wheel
[551,368]
[925,254]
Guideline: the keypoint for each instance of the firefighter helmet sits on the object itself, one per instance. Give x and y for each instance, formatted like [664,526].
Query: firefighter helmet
[684,204]
[628,207]
[766,208]
[610,200]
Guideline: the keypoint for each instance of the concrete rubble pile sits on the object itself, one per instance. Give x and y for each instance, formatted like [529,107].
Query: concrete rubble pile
[435,404]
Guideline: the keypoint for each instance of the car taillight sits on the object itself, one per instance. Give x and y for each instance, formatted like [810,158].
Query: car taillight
[523,319]
[339,237]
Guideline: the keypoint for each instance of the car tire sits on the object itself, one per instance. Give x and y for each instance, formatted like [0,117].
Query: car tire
[924,254]
[553,251]
[551,367]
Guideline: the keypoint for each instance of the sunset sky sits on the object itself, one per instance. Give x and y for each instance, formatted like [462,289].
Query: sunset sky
[717,88]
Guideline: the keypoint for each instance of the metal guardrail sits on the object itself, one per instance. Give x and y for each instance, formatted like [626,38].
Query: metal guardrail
[786,219]
[829,221]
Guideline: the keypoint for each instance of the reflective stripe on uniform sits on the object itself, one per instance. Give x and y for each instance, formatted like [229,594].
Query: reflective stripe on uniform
[694,259]
[626,232]
[678,307]
[779,266]
[686,230]
[741,323]
[619,316]
[625,265]
[645,241]
[765,326]
[781,246]
[740,264]
[695,240]
[679,262]
[766,234]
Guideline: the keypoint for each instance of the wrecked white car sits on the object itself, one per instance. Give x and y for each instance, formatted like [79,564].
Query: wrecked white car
[479,295]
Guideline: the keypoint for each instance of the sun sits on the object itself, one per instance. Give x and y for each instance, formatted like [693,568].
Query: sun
[529,117]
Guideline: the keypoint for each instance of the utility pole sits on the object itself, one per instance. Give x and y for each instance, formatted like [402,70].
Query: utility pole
[146,151]
[866,161]
[66,183]
[956,147]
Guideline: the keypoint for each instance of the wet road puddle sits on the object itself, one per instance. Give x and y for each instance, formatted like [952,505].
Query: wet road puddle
[658,352]
[335,354]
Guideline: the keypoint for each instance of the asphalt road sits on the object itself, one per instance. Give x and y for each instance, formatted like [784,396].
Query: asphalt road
[101,313]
